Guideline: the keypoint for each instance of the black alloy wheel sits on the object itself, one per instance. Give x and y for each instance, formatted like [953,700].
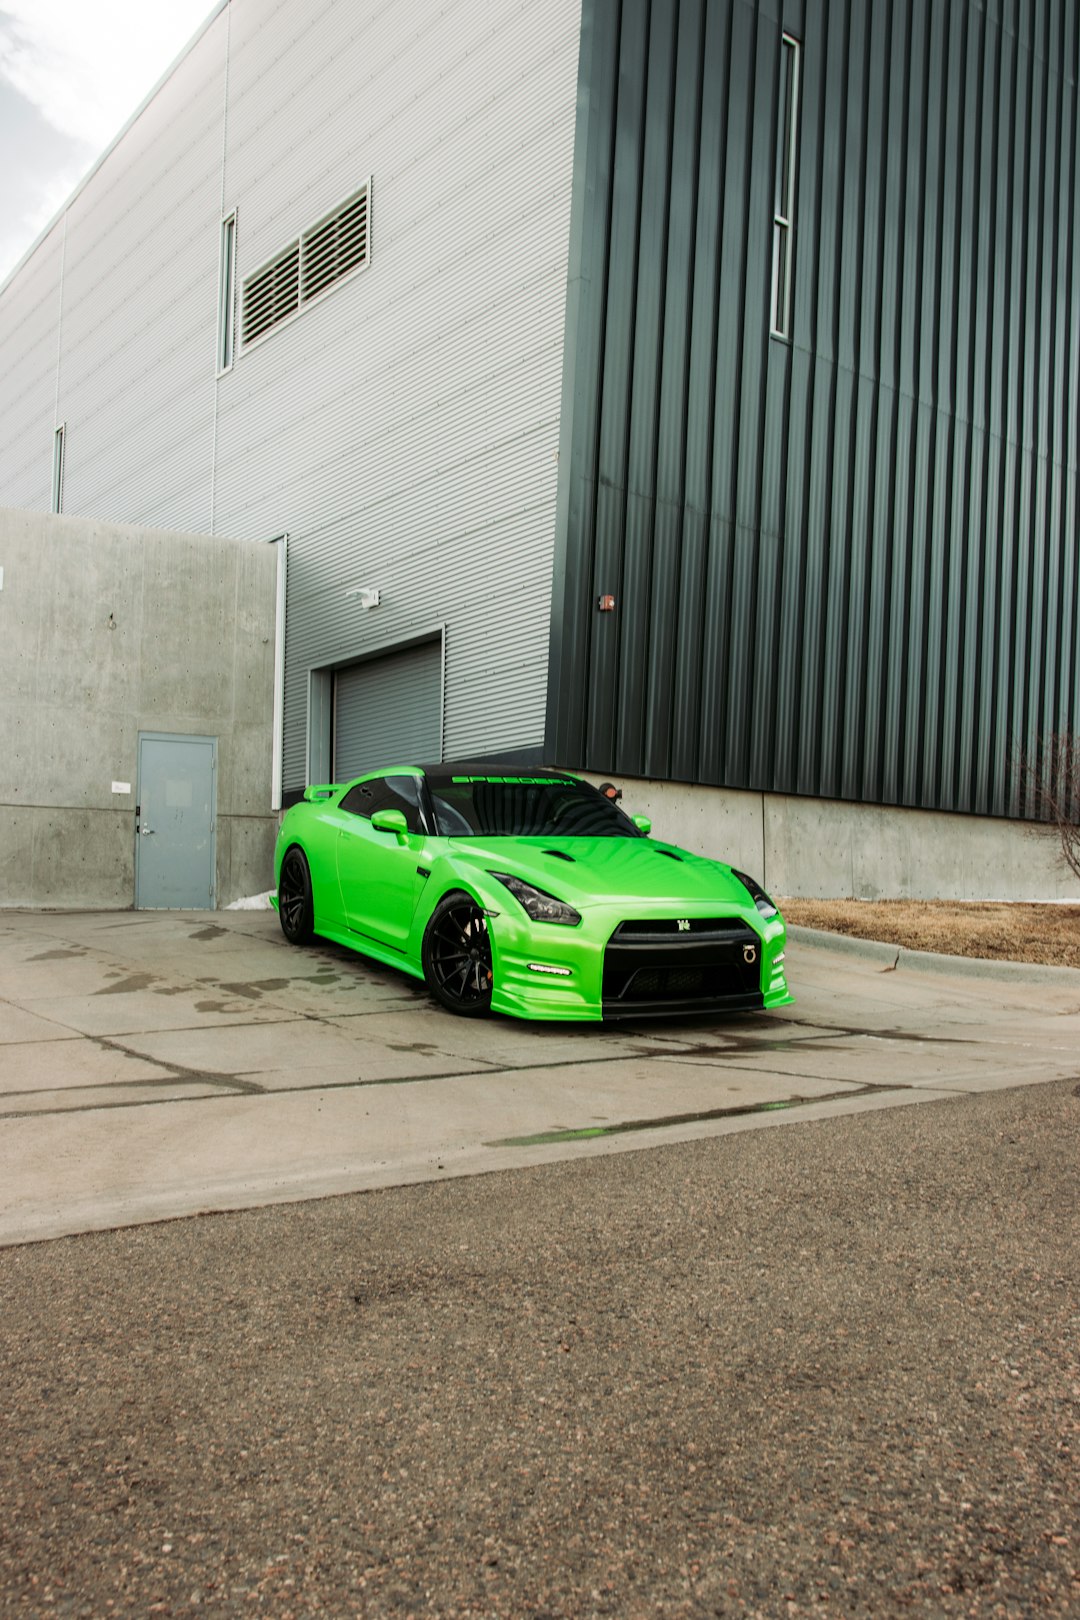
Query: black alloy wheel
[296,910]
[456,956]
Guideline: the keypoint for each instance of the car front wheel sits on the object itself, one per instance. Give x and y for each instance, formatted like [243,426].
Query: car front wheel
[296,910]
[456,956]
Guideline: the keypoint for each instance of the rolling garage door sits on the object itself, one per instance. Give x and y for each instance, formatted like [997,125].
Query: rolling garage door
[388,711]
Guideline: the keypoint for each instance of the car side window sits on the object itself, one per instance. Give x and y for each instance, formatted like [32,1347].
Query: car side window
[387,793]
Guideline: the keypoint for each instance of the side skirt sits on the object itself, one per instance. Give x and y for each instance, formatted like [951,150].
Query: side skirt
[372,949]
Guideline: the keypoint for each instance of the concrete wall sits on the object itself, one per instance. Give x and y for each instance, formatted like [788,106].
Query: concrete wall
[106,631]
[828,849]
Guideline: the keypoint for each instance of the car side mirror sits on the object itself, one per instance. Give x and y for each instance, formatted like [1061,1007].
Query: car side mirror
[391,821]
[643,824]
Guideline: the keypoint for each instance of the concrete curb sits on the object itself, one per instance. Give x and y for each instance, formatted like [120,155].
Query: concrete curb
[898,956]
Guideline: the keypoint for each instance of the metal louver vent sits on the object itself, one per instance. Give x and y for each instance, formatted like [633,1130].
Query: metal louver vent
[323,256]
[335,247]
[272,294]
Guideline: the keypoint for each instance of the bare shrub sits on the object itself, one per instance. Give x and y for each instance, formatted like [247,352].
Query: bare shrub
[1051,779]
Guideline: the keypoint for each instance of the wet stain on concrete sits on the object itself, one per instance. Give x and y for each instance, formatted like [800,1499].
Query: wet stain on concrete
[123,987]
[57,955]
[321,981]
[817,1033]
[585,1133]
[254,989]
[759,1039]
[211,931]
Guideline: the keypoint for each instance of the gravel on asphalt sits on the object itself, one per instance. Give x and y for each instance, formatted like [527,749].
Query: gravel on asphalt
[822,1369]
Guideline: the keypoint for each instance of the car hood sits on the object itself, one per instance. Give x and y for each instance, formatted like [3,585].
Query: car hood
[603,869]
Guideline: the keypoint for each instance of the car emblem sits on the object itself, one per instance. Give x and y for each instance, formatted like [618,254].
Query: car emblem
[749,953]
[684,925]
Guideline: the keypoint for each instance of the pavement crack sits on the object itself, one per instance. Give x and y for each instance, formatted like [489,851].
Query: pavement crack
[106,1106]
[828,1031]
[176,1071]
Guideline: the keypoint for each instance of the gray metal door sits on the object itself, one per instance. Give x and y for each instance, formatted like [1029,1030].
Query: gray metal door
[174,839]
[388,711]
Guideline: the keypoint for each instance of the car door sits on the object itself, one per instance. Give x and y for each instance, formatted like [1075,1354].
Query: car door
[377,871]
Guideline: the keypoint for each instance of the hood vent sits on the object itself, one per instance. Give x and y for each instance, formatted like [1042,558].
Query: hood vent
[560,855]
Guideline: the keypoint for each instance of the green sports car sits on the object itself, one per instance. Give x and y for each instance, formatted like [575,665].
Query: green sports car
[530,894]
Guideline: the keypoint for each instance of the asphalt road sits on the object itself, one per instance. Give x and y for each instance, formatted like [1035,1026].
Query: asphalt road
[828,1369]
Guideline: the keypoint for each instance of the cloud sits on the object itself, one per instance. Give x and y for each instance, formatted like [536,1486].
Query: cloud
[72,72]
[40,169]
[86,67]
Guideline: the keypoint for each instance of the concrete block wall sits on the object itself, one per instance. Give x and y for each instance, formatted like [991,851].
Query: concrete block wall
[828,849]
[107,631]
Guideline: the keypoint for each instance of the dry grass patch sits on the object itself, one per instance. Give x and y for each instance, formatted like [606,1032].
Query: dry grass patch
[998,932]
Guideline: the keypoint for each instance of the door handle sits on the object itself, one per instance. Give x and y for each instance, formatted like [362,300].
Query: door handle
[145,832]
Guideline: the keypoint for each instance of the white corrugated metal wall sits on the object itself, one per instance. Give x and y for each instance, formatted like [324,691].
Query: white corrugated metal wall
[126,343]
[404,429]
[29,336]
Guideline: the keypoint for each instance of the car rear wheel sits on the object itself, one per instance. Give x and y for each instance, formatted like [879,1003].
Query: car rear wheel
[296,911]
[456,956]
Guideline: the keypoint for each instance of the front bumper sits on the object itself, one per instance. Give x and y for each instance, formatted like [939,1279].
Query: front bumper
[612,967]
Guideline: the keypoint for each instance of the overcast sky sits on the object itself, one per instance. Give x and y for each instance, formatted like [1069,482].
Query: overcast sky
[71,74]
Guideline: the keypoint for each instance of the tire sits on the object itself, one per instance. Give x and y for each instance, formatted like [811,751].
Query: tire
[456,956]
[296,909]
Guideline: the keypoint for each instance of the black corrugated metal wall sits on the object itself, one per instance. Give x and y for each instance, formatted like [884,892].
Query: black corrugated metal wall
[844,565]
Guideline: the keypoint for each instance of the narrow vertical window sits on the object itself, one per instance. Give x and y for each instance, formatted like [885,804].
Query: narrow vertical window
[58,470]
[226,293]
[784,190]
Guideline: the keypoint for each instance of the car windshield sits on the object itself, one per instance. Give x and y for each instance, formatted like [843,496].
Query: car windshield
[525,807]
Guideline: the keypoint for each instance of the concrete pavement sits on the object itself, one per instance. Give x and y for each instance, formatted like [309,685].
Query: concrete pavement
[157,1064]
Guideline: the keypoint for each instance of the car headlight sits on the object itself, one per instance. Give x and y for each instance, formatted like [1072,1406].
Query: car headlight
[757,894]
[536,904]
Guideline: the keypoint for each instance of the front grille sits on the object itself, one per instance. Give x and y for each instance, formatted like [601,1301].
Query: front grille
[653,966]
[656,983]
[678,927]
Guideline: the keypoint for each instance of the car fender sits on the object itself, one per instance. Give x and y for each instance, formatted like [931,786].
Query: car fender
[448,875]
[302,830]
